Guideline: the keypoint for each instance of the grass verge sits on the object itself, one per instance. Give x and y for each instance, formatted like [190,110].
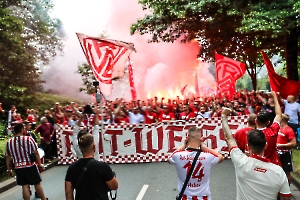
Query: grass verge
[296,161]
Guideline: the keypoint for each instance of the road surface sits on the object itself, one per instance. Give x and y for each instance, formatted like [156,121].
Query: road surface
[144,181]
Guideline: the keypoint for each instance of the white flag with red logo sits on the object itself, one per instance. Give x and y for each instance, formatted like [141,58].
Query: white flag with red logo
[106,58]
[131,81]
[227,72]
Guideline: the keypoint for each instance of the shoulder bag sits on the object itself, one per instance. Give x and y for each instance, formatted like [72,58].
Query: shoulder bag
[190,173]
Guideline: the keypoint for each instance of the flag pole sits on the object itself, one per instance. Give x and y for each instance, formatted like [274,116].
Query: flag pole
[96,84]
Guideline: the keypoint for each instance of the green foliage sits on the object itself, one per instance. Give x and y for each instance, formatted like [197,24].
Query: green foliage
[296,161]
[87,77]
[29,37]
[244,83]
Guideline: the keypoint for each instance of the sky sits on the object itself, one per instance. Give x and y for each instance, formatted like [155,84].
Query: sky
[159,69]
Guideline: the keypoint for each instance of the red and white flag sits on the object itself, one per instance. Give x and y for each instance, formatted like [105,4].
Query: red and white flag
[106,58]
[182,90]
[227,72]
[131,82]
[278,83]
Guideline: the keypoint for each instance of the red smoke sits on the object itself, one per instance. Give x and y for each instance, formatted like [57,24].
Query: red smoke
[159,68]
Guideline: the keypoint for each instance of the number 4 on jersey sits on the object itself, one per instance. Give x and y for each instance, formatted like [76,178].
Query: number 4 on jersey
[198,172]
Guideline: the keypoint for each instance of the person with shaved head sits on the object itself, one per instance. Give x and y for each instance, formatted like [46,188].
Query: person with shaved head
[292,109]
[241,135]
[98,177]
[182,158]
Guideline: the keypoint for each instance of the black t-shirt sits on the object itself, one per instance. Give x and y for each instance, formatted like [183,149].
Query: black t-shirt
[271,111]
[93,183]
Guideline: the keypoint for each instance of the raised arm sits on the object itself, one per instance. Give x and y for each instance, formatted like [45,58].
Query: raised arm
[278,111]
[227,132]
[80,119]
[263,100]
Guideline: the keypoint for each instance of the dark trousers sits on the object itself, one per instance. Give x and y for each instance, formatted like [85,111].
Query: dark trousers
[47,149]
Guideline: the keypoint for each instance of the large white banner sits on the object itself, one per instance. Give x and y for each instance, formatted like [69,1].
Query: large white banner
[148,143]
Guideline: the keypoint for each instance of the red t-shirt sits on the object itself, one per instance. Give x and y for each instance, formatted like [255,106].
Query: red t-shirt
[45,130]
[271,134]
[284,136]
[88,119]
[120,120]
[240,137]
[187,116]
[164,116]
[150,117]
[31,118]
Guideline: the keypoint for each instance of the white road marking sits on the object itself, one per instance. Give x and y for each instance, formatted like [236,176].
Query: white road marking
[142,192]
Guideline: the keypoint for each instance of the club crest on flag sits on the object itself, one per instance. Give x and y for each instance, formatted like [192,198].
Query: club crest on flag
[106,58]
[227,72]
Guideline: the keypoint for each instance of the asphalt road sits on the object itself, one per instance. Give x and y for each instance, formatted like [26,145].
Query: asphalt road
[144,181]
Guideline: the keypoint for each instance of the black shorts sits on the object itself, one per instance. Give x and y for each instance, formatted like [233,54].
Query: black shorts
[28,175]
[286,161]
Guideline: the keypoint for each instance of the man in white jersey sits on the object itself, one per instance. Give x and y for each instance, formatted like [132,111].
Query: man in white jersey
[256,177]
[77,133]
[198,185]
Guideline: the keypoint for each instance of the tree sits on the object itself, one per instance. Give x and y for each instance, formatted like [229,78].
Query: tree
[87,77]
[29,37]
[277,25]
[215,24]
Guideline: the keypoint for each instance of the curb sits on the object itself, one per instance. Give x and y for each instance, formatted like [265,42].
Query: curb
[6,185]
[296,180]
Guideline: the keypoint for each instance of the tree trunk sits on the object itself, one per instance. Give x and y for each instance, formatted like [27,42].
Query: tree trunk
[253,75]
[292,55]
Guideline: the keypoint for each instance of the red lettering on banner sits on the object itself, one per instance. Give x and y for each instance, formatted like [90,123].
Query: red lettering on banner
[160,138]
[138,140]
[172,138]
[222,135]
[100,142]
[149,134]
[67,142]
[113,141]
[231,126]
[205,129]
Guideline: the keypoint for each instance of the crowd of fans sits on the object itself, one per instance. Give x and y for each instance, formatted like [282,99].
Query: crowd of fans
[152,110]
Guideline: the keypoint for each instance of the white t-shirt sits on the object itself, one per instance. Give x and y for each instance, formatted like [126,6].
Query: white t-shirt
[257,178]
[292,109]
[75,148]
[200,115]
[136,118]
[198,184]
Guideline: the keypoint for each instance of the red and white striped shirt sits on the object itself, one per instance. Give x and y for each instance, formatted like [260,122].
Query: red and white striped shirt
[19,148]
[271,134]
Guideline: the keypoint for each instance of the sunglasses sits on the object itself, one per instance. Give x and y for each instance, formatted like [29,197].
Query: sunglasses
[165,108]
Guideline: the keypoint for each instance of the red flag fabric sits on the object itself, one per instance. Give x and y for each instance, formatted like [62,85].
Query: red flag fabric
[182,90]
[227,72]
[131,82]
[106,58]
[278,83]
[197,91]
